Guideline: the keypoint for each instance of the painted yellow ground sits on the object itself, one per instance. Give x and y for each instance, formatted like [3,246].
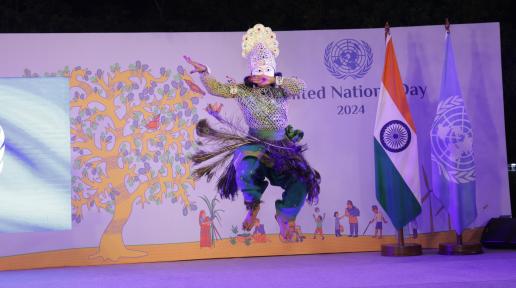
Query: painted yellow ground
[224,249]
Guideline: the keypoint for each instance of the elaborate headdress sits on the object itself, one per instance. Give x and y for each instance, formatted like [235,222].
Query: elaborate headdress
[260,46]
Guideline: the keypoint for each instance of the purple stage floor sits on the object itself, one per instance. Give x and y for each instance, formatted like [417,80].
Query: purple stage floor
[495,268]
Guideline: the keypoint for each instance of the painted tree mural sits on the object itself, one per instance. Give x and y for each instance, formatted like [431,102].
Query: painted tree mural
[132,132]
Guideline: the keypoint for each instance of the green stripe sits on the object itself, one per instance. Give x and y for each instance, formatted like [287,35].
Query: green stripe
[392,192]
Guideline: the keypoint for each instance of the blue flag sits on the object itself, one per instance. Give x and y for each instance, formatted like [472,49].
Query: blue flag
[451,136]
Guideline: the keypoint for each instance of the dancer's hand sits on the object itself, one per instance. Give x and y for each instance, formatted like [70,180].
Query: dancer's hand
[214,108]
[294,135]
[198,67]
[230,80]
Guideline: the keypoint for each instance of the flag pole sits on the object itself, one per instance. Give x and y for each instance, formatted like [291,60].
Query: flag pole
[387,29]
[458,234]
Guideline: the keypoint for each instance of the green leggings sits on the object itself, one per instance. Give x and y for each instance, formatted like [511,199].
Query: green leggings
[251,175]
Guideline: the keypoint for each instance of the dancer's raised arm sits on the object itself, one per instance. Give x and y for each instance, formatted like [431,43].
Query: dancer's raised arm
[214,87]
[291,86]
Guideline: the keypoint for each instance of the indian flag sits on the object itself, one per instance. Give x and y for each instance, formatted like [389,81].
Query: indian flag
[395,147]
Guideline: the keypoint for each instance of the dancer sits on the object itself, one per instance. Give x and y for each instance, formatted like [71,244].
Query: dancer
[269,149]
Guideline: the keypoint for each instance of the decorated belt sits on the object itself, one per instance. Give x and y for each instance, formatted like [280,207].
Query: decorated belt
[274,135]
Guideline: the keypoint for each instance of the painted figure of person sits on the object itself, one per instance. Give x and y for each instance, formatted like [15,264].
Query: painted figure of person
[413,228]
[205,224]
[317,212]
[269,149]
[259,232]
[319,225]
[338,226]
[352,213]
[379,220]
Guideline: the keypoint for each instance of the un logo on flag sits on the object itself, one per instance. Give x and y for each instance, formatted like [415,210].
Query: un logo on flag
[451,137]
[348,58]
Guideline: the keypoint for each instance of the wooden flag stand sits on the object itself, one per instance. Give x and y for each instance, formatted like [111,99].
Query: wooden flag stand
[401,248]
[460,248]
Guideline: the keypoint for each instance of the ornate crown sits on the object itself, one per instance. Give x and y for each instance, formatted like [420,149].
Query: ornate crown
[260,46]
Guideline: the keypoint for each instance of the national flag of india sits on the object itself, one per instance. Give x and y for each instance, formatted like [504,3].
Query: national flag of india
[395,147]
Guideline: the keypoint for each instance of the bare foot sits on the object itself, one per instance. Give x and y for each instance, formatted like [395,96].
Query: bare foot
[285,228]
[250,218]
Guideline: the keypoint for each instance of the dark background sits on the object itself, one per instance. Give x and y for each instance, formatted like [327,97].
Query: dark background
[54,16]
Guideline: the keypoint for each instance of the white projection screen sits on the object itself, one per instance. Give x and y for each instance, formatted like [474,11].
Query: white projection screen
[35,154]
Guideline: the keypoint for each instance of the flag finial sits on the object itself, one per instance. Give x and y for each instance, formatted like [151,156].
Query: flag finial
[447,25]
[387,29]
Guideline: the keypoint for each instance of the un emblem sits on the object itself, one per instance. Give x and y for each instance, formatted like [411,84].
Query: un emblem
[395,136]
[348,58]
[452,141]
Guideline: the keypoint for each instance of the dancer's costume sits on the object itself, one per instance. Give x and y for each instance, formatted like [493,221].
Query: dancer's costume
[268,150]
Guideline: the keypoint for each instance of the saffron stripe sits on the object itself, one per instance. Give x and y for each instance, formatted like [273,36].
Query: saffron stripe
[392,82]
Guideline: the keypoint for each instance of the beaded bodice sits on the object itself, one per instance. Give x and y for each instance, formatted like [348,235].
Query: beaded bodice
[263,108]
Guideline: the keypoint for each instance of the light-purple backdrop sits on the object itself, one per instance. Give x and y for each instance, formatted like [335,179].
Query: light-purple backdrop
[340,146]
